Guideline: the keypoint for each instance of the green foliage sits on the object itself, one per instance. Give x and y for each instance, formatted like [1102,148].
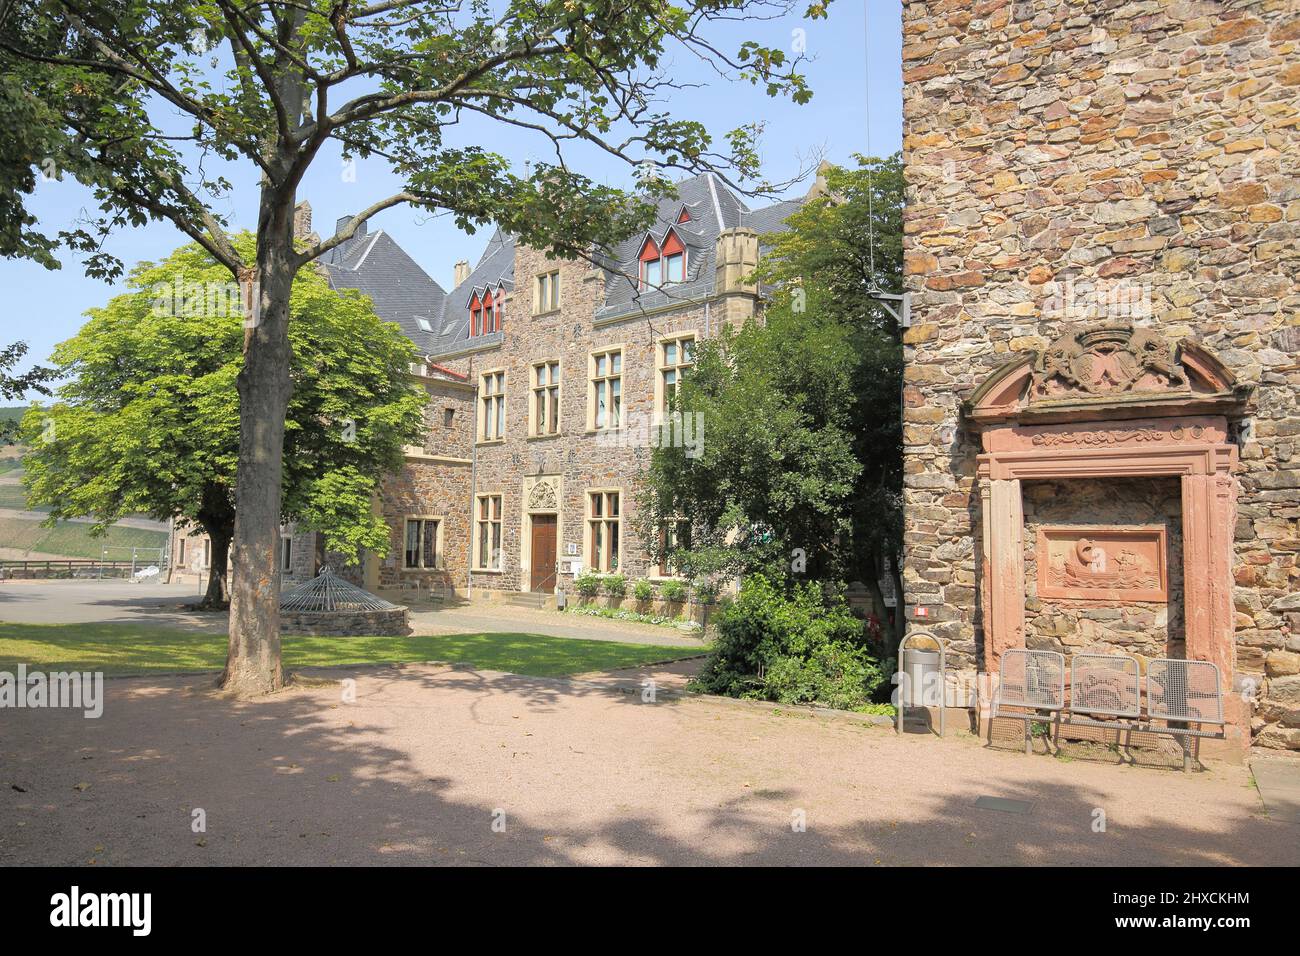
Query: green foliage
[624,614]
[791,647]
[643,590]
[15,386]
[800,470]
[587,585]
[93,91]
[148,422]
[706,591]
[673,591]
[615,585]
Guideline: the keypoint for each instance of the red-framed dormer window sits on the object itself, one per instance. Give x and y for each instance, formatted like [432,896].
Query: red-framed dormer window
[651,274]
[684,217]
[674,259]
[498,309]
[475,315]
[662,265]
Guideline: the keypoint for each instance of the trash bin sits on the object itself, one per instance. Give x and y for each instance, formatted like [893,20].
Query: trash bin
[924,690]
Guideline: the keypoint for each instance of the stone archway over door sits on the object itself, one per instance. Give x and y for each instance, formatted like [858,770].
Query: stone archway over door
[1101,403]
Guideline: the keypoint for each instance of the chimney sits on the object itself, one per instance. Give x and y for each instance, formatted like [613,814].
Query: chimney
[461,274]
[342,224]
[302,220]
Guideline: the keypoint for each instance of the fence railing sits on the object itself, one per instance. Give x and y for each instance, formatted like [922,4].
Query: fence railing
[70,564]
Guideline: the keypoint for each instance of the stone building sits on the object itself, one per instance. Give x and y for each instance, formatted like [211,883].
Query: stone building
[549,381]
[1101,251]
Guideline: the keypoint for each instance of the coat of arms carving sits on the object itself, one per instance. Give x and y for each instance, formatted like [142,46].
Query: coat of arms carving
[1106,361]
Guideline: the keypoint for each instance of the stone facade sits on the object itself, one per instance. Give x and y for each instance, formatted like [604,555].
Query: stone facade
[1074,163]
[1146,628]
[579,458]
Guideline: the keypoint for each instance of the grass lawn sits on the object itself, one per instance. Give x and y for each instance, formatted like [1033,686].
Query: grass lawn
[128,649]
[72,539]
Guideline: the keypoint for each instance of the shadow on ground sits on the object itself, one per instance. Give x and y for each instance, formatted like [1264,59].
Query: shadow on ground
[417,770]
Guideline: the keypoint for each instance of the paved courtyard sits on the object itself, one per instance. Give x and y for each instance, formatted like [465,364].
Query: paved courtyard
[427,758]
[124,602]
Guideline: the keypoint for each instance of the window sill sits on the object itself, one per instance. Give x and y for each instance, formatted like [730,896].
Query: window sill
[607,431]
[547,314]
[490,441]
[423,570]
[487,570]
[546,437]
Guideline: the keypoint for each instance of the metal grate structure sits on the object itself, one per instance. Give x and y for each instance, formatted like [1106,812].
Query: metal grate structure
[1184,690]
[1032,679]
[1104,684]
[328,592]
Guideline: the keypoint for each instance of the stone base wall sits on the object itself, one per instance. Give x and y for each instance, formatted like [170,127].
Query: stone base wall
[390,623]
[1071,163]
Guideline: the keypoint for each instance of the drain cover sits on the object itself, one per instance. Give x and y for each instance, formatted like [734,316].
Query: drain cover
[1003,805]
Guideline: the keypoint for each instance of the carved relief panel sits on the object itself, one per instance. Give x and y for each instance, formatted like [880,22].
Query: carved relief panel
[1102,563]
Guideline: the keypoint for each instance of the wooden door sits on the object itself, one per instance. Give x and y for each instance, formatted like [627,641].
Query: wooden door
[544,560]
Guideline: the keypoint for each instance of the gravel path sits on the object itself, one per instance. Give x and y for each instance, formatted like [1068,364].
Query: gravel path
[581,772]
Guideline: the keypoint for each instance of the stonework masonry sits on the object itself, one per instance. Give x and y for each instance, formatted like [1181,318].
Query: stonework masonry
[579,458]
[1070,163]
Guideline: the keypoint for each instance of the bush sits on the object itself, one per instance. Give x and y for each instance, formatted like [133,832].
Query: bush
[705,592]
[791,648]
[615,585]
[643,590]
[673,591]
[587,585]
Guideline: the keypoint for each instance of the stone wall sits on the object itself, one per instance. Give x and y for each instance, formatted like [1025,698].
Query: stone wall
[577,459]
[388,623]
[1144,628]
[1074,162]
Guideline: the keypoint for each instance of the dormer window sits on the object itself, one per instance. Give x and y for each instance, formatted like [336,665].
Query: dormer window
[684,217]
[475,315]
[664,265]
[486,311]
[424,325]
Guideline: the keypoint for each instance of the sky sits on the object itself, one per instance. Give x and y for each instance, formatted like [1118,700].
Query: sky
[855,73]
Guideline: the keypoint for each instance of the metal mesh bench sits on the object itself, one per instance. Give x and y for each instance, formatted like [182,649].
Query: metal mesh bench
[1032,682]
[1105,692]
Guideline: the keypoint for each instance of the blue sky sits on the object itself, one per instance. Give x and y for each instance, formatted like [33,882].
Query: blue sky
[44,307]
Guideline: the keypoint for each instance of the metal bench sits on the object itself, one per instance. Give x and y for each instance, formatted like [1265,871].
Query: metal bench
[1180,693]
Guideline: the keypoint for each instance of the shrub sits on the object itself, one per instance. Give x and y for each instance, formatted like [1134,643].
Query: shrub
[673,591]
[587,585]
[643,590]
[615,585]
[791,648]
[705,592]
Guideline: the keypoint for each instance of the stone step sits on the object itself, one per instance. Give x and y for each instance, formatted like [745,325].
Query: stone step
[525,599]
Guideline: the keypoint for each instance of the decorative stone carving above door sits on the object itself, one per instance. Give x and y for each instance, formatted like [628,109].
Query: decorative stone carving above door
[543,496]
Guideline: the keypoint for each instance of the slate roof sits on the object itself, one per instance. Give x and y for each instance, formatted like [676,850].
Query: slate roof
[713,208]
[404,293]
[374,264]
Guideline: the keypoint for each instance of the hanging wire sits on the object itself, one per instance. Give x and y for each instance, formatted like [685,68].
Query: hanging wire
[871,189]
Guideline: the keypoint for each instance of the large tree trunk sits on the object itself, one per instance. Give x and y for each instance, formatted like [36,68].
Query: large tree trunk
[218,520]
[253,658]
